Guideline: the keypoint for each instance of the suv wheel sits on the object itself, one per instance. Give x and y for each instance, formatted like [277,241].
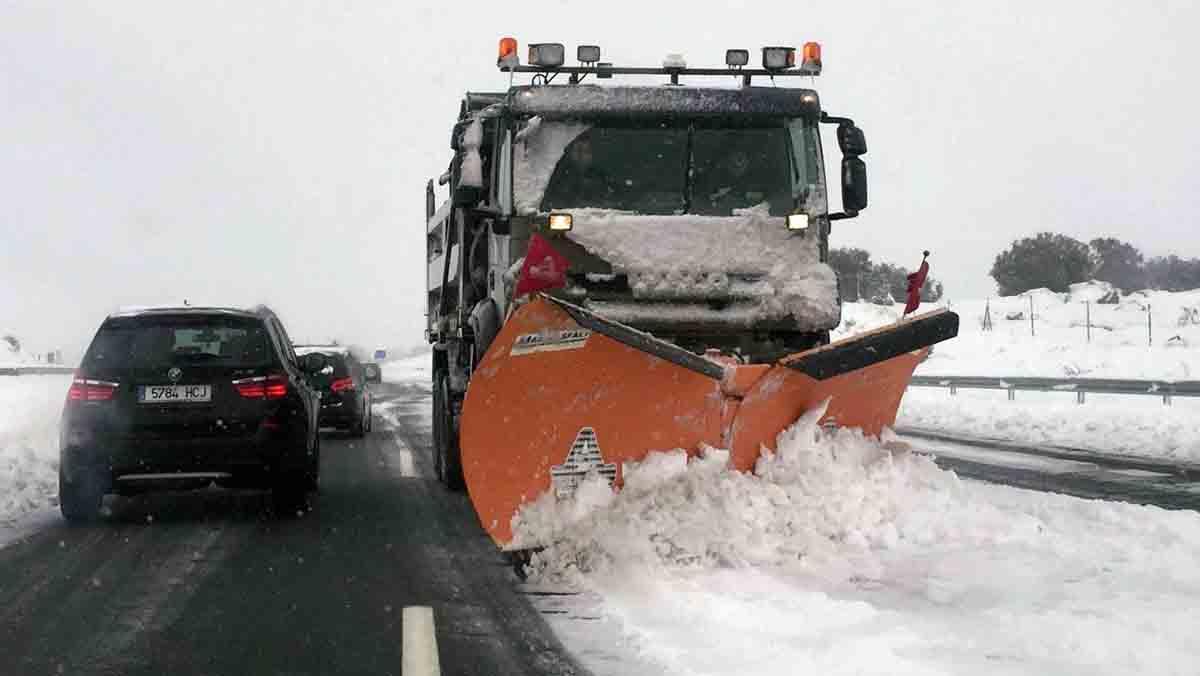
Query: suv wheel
[79,500]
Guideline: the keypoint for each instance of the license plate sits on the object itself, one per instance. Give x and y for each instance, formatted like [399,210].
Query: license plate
[183,394]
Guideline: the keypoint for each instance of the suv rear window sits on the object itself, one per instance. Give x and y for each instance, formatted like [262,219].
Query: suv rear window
[337,368]
[147,342]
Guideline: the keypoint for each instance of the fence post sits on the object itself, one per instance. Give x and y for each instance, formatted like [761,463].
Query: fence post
[1149,326]
[1088,304]
[1032,331]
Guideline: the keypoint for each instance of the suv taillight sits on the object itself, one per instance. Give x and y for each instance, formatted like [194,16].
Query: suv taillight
[342,384]
[83,389]
[274,386]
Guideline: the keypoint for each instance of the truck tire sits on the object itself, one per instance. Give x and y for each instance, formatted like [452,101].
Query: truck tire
[79,500]
[447,456]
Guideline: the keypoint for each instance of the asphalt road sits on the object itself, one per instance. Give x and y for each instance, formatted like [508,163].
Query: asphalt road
[1095,475]
[212,583]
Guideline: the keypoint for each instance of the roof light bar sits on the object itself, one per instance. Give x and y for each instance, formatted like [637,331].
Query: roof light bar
[779,58]
[736,58]
[547,54]
[587,53]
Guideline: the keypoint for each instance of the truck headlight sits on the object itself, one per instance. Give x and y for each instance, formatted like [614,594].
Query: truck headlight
[560,222]
[797,222]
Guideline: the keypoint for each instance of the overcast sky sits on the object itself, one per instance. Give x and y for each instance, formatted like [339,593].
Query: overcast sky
[243,152]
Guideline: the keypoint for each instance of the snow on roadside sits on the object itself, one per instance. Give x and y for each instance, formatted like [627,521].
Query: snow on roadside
[30,407]
[837,556]
[1129,425]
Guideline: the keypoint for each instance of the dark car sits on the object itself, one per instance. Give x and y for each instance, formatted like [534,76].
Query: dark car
[342,385]
[179,398]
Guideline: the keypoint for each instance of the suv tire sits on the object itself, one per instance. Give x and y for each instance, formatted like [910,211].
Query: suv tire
[79,500]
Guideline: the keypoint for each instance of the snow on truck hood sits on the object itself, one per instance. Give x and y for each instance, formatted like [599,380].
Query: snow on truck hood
[749,256]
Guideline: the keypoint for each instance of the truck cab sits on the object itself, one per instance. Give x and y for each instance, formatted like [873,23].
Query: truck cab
[698,214]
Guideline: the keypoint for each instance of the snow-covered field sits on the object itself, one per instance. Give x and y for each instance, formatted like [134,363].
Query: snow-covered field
[30,407]
[1057,347]
[838,557]
[1121,345]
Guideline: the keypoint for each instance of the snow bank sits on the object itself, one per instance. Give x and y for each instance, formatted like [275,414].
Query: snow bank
[1138,426]
[30,407]
[837,556]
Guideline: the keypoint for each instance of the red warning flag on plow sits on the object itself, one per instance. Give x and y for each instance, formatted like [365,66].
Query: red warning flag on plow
[544,268]
[916,281]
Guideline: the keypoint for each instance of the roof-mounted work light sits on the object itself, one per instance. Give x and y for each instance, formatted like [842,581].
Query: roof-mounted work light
[736,58]
[587,53]
[811,63]
[508,53]
[779,58]
[547,54]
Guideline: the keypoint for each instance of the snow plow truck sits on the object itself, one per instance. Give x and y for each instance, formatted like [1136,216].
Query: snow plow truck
[628,268]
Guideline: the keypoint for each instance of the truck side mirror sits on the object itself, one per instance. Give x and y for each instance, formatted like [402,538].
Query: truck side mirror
[853,143]
[854,185]
[851,140]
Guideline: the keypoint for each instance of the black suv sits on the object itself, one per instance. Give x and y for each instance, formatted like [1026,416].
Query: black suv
[179,398]
[342,385]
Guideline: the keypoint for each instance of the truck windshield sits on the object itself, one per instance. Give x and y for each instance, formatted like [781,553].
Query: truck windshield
[707,170]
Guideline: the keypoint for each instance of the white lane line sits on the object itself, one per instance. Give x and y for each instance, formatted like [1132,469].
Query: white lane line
[418,652]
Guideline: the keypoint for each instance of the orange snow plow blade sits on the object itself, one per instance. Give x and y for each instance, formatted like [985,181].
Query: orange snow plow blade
[863,377]
[563,392]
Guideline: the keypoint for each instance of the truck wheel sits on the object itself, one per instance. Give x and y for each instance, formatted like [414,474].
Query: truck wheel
[79,500]
[437,425]
[448,459]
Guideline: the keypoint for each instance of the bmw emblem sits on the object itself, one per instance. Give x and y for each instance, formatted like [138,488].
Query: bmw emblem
[175,374]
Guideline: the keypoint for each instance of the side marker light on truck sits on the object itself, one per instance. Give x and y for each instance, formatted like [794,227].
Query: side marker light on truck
[797,222]
[560,222]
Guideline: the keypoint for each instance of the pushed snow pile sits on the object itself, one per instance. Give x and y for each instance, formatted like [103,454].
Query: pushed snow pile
[822,490]
[29,411]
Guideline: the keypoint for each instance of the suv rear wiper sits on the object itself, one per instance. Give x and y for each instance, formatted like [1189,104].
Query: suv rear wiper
[196,355]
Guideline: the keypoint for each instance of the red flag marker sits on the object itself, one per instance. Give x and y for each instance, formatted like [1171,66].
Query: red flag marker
[916,280]
[544,268]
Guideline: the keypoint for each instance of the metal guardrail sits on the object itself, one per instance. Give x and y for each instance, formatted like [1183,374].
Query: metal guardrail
[35,370]
[1080,386]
